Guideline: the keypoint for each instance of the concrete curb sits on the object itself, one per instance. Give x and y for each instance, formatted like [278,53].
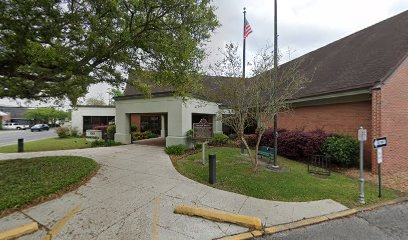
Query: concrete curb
[383,204]
[53,232]
[19,231]
[289,226]
[311,221]
[220,216]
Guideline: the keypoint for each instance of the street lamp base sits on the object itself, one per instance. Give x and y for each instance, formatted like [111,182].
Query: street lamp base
[273,166]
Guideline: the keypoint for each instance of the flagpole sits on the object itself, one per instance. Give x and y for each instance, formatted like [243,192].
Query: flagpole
[243,58]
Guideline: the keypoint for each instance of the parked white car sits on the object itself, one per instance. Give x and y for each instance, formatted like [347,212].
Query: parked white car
[15,126]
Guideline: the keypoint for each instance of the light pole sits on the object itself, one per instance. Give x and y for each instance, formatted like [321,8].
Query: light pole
[275,66]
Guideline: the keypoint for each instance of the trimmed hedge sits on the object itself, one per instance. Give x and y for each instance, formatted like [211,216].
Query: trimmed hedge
[101,143]
[143,135]
[341,149]
[300,145]
[175,149]
[218,139]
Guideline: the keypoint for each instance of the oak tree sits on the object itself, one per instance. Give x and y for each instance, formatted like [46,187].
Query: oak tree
[57,48]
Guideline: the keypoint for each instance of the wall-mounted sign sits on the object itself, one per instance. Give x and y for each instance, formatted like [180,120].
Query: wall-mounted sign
[202,130]
[380,142]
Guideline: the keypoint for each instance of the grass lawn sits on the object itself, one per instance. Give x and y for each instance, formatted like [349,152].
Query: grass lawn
[49,145]
[296,184]
[26,181]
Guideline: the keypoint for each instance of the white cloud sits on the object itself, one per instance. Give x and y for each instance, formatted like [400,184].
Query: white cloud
[303,25]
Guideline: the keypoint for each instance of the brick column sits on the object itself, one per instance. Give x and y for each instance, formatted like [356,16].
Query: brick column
[375,125]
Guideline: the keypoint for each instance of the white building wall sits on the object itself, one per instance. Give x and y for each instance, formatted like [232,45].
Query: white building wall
[77,115]
[169,105]
[178,116]
[201,107]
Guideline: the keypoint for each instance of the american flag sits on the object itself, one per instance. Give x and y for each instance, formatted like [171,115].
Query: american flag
[247,29]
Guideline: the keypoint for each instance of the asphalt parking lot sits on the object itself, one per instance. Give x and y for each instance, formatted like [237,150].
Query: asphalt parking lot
[9,137]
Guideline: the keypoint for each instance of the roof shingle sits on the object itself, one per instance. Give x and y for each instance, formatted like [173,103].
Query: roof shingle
[360,60]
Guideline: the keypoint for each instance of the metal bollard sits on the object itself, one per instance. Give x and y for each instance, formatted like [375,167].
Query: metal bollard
[212,168]
[20,144]
[242,148]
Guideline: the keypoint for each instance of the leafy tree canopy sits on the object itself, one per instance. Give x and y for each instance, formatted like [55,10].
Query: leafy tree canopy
[57,48]
[95,101]
[45,114]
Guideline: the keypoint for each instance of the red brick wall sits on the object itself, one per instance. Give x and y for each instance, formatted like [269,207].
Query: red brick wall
[394,120]
[135,120]
[343,118]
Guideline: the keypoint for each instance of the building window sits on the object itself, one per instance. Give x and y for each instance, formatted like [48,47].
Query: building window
[150,123]
[90,122]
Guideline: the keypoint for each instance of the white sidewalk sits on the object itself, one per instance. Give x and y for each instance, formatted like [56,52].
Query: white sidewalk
[134,194]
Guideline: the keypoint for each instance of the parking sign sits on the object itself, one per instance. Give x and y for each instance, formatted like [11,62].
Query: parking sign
[362,134]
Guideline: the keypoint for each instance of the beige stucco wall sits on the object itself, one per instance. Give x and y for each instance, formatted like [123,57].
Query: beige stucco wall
[178,116]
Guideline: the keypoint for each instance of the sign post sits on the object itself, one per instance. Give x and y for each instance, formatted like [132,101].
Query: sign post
[362,137]
[379,143]
[203,131]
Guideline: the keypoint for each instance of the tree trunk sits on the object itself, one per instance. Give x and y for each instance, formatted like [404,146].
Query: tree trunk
[258,141]
[247,147]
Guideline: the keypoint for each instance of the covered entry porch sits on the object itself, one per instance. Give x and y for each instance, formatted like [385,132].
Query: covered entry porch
[174,116]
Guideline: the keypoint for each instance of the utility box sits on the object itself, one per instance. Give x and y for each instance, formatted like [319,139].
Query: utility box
[93,135]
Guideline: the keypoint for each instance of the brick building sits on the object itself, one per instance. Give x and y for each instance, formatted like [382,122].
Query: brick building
[359,80]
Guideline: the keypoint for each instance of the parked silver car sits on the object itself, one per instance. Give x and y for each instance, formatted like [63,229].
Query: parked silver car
[15,126]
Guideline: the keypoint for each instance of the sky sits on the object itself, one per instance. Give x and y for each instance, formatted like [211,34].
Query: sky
[303,26]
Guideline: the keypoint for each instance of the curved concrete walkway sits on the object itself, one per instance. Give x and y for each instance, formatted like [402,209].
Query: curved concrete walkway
[134,194]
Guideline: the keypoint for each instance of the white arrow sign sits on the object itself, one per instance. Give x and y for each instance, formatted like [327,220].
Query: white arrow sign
[380,142]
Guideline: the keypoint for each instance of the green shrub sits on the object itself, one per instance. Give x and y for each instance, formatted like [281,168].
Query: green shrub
[343,150]
[109,143]
[1,125]
[111,130]
[189,137]
[143,135]
[63,132]
[189,134]
[198,145]
[149,134]
[138,135]
[175,149]
[219,139]
[74,132]
[133,128]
